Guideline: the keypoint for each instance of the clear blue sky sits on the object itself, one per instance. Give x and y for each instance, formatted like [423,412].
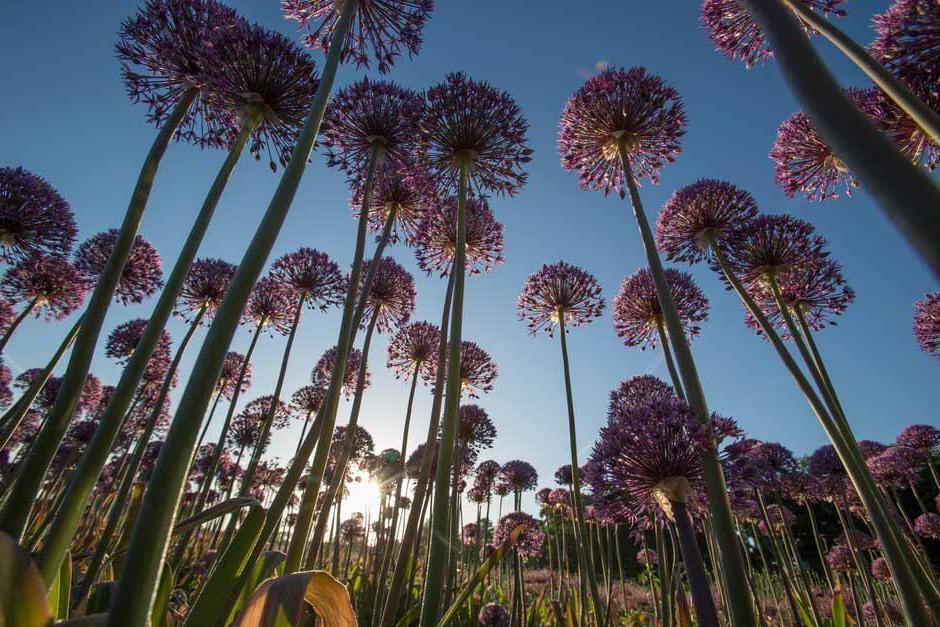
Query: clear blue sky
[65,117]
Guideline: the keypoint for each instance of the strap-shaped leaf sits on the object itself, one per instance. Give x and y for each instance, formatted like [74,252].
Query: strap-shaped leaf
[279,602]
[22,594]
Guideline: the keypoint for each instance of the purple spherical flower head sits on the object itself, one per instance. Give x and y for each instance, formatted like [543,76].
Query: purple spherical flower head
[560,292]
[231,368]
[406,191]
[805,162]
[884,609]
[475,429]
[871,448]
[907,39]
[472,123]
[53,283]
[414,347]
[323,371]
[252,418]
[6,394]
[529,541]
[437,239]
[736,35]
[927,525]
[7,315]
[637,313]
[707,209]
[123,341]
[924,438]
[487,472]
[312,276]
[204,287]
[34,219]
[363,444]
[381,29]
[494,615]
[391,298]
[895,467]
[840,558]
[519,475]
[636,391]
[908,137]
[630,109]
[371,118]
[308,399]
[477,369]
[880,569]
[825,461]
[816,291]
[414,461]
[253,71]
[927,324]
[774,244]
[271,305]
[164,53]
[647,557]
[469,533]
[143,271]
[780,516]
[563,475]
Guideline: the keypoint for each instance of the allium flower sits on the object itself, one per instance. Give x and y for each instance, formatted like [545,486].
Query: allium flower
[255,71]
[907,39]
[923,438]
[7,315]
[371,116]
[123,341]
[415,346]
[774,244]
[780,516]
[529,542]
[391,297]
[557,290]
[825,461]
[231,368]
[53,283]
[414,461]
[651,455]
[634,392]
[637,313]
[477,369]
[363,445]
[887,608]
[204,287]
[620,108]
[251,420]
[880,569]
[437,239]
[308,399]
[323,371]
[163,53]
[861,540]
[647,557]
[381,28]
[405,190]
[6,394]
[487,472]
[736,35]
[910,138]
[706,208]
[871,448]
[894,467]
[494,615]
[271,305]
[563,475]
[805,162]
[469,533]
[817,289]
[927,324]
[519,475]
[312,276]
[840,558]
[471,122]
[475,429]
[352,528]
[34,219]
[143,271]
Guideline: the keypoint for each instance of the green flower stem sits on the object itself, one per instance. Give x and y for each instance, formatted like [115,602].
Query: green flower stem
[26,488]
[741,610]
[437,556]
[134,594]
[859,562]
[702,600]
[347,332]
[819,548]
[667,354]
[909,197]
[349,445]
[894,553]
[208,420]
[408,547]
[14,416]
[897,91]
[390,546]
[303,431]
[817,361]
[582,532]
[129,473]
[17,321]
[96,453]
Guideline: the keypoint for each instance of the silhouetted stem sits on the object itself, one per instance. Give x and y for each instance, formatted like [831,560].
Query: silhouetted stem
[667,355]
[17,321]
[702,600]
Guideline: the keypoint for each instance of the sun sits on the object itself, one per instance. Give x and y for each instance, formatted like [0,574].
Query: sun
[364,496]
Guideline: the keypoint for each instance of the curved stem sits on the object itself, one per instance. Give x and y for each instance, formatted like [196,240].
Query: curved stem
[17,321]
[909,197]
[34,467]
[741,610]
[667,354]
[437,556]
[702,600]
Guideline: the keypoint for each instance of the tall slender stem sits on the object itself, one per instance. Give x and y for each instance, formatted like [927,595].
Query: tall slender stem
[34,467]
[702,600]
[17,321]
[667,355]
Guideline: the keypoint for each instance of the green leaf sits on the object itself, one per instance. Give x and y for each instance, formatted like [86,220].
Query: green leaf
[61,588]
[158,614]
[840,617]
[22,593]
[281,601]
[269,562]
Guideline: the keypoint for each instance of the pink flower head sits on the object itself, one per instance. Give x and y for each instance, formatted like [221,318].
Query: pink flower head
[475,429]
[563,475]
[437,239]
[6,394]
[414,346]
[477,369]
[231,368]
[391,297]
[143,271]
[52,282]
[708,208]
[34,219]
[519,475]
[474,123]
[895,467]
[560,291]
[927,525]
[927,324]
[840,558]
[907,41]
[204,286]
[312,276]
[637,313]
[880,569]
[634,392]
[308,399]
[774,244]
[529,542]
[618,108]
[123,341]
[323,371]
[494,615]
[381,29]
[271,305]
[251,420]
[407,191]
[923,438]
[7,315]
